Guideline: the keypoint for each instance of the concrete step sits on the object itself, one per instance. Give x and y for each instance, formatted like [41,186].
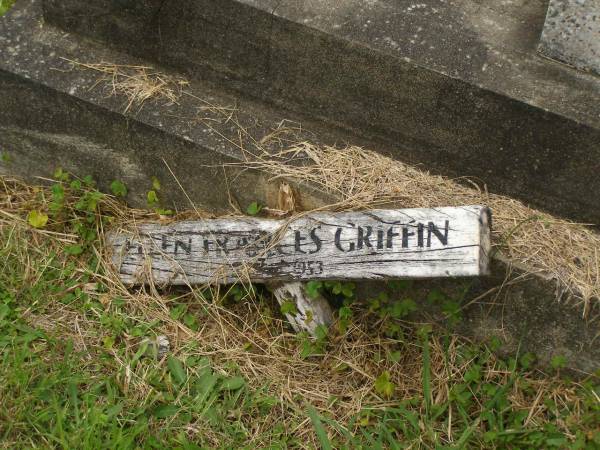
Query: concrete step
[53,114]
[456,85]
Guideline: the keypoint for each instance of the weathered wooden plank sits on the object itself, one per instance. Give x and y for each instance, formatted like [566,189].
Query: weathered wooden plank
[409,243]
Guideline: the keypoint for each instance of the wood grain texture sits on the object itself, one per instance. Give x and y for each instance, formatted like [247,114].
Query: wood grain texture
[409,243]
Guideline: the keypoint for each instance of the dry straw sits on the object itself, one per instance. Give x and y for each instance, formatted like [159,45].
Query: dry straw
[257,341]
[137,83]
[340,383]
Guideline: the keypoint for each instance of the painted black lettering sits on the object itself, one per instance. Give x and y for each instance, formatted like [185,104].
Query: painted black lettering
[208,245]
[262,240]
[380,236]
[316,239]
[298,242]
[338,241]
[432,229]
[186,247]
[363,239]
[420,229]
[273,246]
[406,234]
[279,249]
[243,244]
[390,237]
[222,244]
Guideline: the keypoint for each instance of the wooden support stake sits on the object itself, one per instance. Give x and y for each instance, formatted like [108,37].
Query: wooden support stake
[311,312]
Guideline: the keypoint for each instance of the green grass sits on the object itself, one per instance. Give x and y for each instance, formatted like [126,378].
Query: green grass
[5,5]
[58,392]
[77,369]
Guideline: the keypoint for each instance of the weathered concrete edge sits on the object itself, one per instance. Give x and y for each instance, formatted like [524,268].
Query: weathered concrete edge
[49,128]
[50,105]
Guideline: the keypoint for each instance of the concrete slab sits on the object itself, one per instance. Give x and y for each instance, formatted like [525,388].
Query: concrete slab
[572,33]
[455,85]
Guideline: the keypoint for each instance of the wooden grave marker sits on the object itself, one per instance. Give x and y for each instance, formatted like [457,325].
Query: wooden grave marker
[409,243]
[372,244]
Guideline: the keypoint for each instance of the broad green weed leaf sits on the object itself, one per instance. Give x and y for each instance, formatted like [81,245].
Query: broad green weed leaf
[233,383]
[118,188]
[37,219]
[177,371]
[383,385]
[253,209]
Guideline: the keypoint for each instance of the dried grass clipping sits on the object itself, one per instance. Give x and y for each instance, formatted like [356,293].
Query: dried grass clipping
[137,83]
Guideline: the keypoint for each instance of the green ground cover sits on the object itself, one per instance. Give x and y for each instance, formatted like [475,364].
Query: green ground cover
[79,367]
[5,5]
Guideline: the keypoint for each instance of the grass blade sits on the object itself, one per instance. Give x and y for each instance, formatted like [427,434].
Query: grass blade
[319,428]
[426,373]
